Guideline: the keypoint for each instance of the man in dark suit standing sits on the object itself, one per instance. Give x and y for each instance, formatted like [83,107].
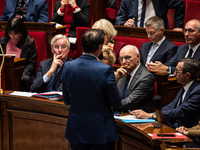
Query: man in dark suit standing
[135,82]
[134,13]
[49,73]
[159,48]
[89,87]
[191,49]
[184,110]
[29,10]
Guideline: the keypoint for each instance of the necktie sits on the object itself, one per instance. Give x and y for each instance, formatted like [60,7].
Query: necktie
[143,14]
[50,85]
[190,53]
[22,4]
[126,85]
[152,52]
[180,98]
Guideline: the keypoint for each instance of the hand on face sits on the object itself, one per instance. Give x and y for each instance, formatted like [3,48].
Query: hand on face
[72,3]
[56,62]
[120,73]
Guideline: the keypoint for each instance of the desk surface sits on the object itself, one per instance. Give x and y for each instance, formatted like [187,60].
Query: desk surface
[46,119]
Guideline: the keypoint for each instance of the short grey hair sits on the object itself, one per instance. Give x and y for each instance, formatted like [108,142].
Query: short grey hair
[133,47]
[156,22]
[198,22]
[60,36]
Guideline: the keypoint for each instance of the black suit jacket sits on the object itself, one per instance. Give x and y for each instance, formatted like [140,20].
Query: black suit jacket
[181,52]
[39,86]
[129,9]
[81,18]
[163,54]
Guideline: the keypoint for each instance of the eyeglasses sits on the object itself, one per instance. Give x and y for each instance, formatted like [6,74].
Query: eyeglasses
[151,33]
[127,58]
[190,31]
[178,71]
[63,47]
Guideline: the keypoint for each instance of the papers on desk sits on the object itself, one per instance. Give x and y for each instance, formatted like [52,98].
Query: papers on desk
[19,93]
[54,95]
[132,119]
[168,136]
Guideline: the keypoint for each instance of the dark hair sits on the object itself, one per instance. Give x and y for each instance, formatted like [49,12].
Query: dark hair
[91,40]
[192,66]
[17,25]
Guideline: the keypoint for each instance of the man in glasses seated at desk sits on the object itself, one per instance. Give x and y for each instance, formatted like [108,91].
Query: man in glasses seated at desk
[134,81]
[191,49]
[49,73]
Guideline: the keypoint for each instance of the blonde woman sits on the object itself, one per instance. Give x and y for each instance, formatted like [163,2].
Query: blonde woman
[110,33]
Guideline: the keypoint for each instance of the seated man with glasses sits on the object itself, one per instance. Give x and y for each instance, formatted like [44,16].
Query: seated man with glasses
[49,73]
[191,49]
[134,81]
[184,109]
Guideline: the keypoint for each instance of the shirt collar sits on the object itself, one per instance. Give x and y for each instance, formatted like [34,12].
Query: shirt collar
[187,86]
[194,48]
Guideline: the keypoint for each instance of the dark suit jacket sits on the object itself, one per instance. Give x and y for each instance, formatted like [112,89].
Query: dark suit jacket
[187,114]
[163,54]
[37,11]
[140,91]
[90,88]
[81,18]
[181,52]
[129,9]
[39,86]
[29,52]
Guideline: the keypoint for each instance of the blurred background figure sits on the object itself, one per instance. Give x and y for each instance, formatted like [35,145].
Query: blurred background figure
[29,10]
[18,41]
[72,13]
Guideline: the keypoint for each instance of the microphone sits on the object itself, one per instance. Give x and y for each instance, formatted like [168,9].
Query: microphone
[1,90]
[158,105]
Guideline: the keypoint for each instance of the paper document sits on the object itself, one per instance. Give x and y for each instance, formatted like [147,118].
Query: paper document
[19,93]
[132,119]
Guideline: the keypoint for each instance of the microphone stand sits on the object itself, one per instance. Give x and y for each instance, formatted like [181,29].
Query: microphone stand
[3,58]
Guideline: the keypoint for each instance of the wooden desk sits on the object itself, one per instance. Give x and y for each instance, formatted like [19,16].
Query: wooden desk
[135,136]
[49,28]
[13,70]
[33,123]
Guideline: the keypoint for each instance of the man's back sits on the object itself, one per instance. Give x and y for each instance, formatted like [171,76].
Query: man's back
[90,89]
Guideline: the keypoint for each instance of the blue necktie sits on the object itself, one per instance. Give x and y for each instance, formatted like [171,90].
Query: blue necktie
[180,98]
[143,13]
[152,52]
[126,85]
[50,85]
[190,53]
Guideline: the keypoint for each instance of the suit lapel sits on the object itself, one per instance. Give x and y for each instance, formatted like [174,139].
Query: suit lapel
[147,49]
[197,54]
[134,80]
[159,50]
[189,91]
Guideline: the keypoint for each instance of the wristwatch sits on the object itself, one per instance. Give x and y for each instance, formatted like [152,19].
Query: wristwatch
[154,116]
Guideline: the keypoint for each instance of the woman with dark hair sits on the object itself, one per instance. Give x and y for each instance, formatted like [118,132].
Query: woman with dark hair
[18,41]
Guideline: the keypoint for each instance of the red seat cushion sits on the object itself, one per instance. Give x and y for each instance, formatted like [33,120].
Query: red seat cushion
[40,42]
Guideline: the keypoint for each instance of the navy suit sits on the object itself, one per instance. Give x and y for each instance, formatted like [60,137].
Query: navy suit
[181,52]
[39,85]
[90,88]
[37,11]
[129,9]
[163,54]
[187,114]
